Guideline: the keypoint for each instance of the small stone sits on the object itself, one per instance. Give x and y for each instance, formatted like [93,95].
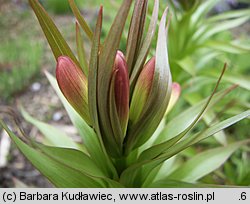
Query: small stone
[36,86]
[57,116]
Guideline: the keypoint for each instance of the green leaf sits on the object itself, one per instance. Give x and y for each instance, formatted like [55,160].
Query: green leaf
[158,98]
[91,140]
[55,39]
[193,139]
[55,136]
[105,69]
[114,119]
[185,118]
[81,52]
[73,158]
[209,117]
[131,176]
[135,32]
[203,9]
[187,64]
[60,174]
[222,26]
[158,149]
[229,15]
[226,47]
[142,56]
[80,19]
[168,183]
[205,163]
[93,71]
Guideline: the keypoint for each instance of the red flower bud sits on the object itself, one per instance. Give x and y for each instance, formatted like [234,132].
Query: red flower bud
[175,94]
[142,90]
[121,89]
[73,85]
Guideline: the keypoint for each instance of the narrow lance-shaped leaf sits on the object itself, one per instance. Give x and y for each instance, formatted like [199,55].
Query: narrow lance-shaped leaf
[93,74]
[129,175]
[106,63]
[159,96]
[55,39]
[60,174]
[90,139]
[136,32]
[80,19]
[205,163]
[193,139]
[54,136]
[73,85]
[156,150]
[185,118]
[81,52]
[142,56]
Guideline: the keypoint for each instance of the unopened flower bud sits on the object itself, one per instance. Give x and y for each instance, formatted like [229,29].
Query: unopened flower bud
[142,90]
[175,94]
[73,85]
[121,90]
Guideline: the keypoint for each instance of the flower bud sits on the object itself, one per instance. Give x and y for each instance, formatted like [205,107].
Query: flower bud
[121,90]
[73,85]
[142,90]
[175,94]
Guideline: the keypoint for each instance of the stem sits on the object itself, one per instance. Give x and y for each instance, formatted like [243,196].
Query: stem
[120,164]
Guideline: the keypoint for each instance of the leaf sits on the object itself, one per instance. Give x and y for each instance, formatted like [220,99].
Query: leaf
[187,64]
[193,139]
[158,98]
[240,80]
[205,163]
[81,52]
[73,158]
[135,32]
[222,26]
[91,140]
[142,56]
[209,117]
[185,118]
[132,173]
[229,15]
[203,9]
[168,183]
[114,119]
[59,174]
[55,136]
[55,39]
[158,149]
[80,19]
[226,47]
[105,69]
[93,71]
